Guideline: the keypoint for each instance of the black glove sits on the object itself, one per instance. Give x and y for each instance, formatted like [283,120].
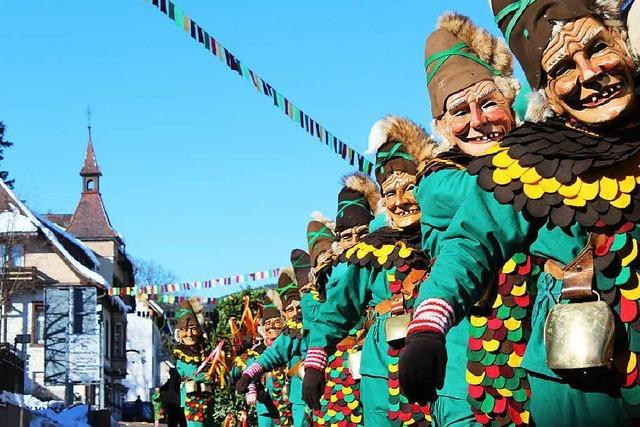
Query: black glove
[421,366]
[242,386]
[263,396]
[312,387]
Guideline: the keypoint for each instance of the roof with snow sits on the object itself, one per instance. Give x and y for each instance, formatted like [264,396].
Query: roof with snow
[75,254]
[62,220]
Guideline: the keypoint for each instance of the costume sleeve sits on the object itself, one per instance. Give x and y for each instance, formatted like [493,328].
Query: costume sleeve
[481,236]
[310,306]
[280,352]
[439,196]
[347,295]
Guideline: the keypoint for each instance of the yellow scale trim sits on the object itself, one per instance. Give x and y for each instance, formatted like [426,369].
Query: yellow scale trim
[519,290]
[474,379]
[614,187]
[632,294]
[382,253]
[626,363]
[632,254]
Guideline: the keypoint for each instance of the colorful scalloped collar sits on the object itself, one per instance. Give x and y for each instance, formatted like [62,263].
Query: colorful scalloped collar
[555,171]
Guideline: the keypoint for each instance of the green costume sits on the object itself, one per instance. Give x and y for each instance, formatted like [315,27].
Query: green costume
[380,273]
[196,389]
[340,403]
[495,334]
[546,189]
[290,347]
[457,58]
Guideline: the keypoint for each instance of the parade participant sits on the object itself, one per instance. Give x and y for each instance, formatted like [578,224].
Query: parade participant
[358,202]
[563,188]
[382,271]
[472,91]
[288,348]
[323,250]
[196,390]
[267,393]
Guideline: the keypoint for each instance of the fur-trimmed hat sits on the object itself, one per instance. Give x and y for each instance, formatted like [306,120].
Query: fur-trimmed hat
[287,287]
[400,145]
[459,54]
[272,308]
[301,263]
[358,201]
[528,26]
[320,236]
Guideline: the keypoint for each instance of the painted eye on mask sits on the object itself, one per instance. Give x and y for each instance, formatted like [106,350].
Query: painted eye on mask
[561,69]
[487,105]
[597,47]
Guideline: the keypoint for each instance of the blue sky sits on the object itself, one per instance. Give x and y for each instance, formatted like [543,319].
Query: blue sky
[201,173]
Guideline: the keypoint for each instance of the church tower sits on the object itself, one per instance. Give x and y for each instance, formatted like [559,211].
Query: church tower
[90,221]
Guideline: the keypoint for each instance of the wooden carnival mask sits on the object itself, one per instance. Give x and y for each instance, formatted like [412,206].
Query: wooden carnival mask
[351,236]
[476,118]
[190,333]
[589,73]
[399,200]
[272,328]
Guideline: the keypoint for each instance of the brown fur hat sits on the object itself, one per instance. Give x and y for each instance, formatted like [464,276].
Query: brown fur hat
[415,148]
[448,71]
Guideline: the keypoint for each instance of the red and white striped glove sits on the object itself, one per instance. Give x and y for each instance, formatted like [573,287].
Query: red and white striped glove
[251,395]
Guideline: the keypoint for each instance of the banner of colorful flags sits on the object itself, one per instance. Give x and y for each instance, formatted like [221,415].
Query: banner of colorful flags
[294,113]
[171,288]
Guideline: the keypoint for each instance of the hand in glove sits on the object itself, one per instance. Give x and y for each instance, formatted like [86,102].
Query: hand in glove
[251,395]
[253,371]
[312,387]
[422,365]
[243,383]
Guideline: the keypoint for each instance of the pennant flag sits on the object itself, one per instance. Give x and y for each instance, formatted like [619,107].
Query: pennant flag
[311,126]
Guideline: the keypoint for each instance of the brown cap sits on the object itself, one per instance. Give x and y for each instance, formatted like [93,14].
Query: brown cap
[400,145]
[320,238]
[287,287]
[527,26]
[459,54]
[185,316]
[358,201]
[301,266]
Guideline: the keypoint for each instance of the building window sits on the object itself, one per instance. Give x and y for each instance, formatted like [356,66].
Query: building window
[90,185]
[118,341]
[37,325]
[107,339]
[12,255]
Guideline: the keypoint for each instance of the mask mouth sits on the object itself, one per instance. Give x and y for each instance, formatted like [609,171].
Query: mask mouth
[408,212]
[602,97]
[483,139]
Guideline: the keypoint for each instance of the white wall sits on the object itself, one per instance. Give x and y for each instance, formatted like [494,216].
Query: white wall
[140,363]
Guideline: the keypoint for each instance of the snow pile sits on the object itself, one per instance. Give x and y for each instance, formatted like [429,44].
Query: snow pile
[48,414]
[74,416]
[15,222]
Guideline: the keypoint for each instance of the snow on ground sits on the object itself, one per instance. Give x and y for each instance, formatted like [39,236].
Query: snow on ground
[48,414]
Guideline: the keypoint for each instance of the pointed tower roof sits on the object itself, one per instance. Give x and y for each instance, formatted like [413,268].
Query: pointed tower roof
[90,167]
[90,220]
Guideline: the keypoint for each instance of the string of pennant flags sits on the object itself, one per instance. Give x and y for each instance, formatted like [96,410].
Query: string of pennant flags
[295,114]
[172,288]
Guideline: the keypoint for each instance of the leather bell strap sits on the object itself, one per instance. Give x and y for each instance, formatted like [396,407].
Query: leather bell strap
[577,276]
[395,304]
